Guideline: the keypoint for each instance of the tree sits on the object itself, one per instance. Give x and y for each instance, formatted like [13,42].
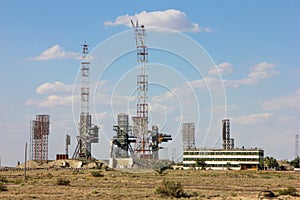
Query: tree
[296,162]
[271,162]
[201,163]
[228,165]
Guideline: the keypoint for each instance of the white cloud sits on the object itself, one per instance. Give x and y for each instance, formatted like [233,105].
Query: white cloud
[56,100]
[252,119]
[53,101]
[262,70]
[258,72]
[223,68]
[289,102]
[61,94]
[208,82]
[56,87]
[262,66]
[170,19]
[55,52]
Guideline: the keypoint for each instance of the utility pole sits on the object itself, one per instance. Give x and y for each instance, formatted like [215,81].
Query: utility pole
[25,160]
[297,145]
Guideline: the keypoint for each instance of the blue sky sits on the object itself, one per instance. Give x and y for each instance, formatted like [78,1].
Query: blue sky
[255,46]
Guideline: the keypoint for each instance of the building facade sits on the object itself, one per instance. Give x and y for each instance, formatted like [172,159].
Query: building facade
[222,159]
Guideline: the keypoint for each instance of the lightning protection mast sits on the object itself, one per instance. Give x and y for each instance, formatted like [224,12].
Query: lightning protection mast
[88,133]
[140,122]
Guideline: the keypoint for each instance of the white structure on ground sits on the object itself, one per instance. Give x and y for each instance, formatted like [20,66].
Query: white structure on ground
[220,159]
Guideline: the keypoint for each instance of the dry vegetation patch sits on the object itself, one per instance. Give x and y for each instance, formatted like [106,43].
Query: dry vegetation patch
[96,184]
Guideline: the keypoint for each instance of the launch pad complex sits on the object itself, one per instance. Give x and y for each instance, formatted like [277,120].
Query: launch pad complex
[130,142]
[137,144]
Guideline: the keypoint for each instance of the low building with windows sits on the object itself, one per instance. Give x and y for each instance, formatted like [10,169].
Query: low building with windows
[222,159]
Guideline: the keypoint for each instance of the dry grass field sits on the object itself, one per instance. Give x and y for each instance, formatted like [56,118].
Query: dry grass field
[43,184]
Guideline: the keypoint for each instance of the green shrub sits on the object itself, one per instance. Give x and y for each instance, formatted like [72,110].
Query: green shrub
[95,192]
[2,187]
[195,194]
[18,181]
[292,191]
[3,179]
[49,175]
[97,174]
[171,189]
[63,181]
[105,167]
[233,194]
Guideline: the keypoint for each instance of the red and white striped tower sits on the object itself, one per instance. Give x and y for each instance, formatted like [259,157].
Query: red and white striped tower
[140,122]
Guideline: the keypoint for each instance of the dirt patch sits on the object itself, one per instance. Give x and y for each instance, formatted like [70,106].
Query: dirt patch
[216,185]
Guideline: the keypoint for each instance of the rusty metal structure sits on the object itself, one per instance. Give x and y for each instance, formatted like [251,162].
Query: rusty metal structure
[40,130]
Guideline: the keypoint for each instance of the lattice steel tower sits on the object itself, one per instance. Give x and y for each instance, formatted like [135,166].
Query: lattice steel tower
[140,122]
[85,81]
[88,133]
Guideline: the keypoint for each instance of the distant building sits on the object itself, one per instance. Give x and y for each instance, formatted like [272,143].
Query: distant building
[220,159]
[188,136]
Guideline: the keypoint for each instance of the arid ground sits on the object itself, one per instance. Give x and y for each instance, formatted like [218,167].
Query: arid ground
[198,184]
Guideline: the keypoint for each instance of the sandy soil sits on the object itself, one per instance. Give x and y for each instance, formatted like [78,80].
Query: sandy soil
[216,185]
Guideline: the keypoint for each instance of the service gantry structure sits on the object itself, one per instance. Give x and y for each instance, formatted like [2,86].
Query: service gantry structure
[40,130]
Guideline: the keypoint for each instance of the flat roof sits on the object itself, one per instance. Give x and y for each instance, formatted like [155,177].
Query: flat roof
[235,149]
